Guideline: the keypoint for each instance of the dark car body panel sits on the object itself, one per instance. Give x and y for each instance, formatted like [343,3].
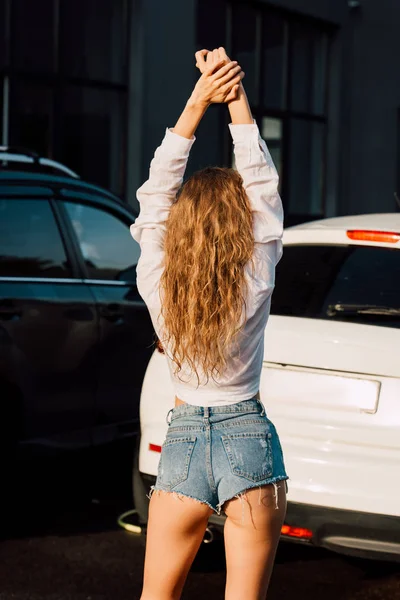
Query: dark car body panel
[47,351]
[73,350]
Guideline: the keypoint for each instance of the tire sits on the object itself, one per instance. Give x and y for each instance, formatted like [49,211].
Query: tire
[140,500]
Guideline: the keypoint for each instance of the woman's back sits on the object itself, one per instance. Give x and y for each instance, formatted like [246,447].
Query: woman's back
[199,309]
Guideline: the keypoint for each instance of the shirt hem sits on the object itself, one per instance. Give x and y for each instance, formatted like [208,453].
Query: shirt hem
[205,398]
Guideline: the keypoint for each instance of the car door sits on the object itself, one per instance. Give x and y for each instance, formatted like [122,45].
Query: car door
[48,328]
[109,257]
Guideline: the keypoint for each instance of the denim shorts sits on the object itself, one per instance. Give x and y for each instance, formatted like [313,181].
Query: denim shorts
[213,454]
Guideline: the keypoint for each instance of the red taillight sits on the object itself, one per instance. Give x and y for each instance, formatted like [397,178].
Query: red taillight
[154,448]
[296,532]
[389,237]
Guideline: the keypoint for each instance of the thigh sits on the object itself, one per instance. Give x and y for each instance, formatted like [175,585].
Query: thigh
[252,531]
[175,530]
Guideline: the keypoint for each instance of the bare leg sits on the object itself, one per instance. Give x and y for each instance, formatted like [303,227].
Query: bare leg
[175,530]
[252,532]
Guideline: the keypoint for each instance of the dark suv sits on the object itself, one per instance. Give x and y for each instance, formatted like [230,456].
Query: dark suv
[75,336]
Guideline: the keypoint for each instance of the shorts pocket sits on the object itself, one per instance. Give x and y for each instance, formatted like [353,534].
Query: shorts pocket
[250,455]
[175,458]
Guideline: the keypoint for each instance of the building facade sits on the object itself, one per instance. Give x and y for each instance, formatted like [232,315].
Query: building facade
[94,83]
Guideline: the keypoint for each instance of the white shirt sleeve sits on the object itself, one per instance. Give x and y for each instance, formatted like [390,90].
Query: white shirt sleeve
[155,197]
[260,180]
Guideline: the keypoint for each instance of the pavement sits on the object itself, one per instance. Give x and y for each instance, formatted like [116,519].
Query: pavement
[68,546]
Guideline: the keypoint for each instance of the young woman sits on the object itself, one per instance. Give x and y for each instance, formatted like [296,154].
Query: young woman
[209,249]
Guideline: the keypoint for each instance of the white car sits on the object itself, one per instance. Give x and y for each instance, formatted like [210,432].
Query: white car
[330,383]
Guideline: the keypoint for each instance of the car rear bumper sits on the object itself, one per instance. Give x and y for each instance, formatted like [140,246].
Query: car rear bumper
[347,532]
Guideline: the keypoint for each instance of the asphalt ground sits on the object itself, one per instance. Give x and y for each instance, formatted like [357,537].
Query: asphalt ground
[60,541]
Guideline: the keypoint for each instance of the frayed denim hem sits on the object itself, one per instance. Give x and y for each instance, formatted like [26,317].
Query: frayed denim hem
[153,489]
[242,493]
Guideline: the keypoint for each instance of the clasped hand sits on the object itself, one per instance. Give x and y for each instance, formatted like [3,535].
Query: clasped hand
[220,78]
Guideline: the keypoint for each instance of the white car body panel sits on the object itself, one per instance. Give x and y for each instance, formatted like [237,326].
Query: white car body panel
[331,388]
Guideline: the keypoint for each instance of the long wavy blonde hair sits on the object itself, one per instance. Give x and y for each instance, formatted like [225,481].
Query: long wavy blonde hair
[208,241]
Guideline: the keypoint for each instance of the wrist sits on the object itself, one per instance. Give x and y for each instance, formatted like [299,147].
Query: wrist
[196,103]
[239,96]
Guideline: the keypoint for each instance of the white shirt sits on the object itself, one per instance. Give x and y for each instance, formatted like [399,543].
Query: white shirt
[241,378]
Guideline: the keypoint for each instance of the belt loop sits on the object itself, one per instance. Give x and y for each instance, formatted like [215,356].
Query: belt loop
[206,411]
[262,413]
[167,418]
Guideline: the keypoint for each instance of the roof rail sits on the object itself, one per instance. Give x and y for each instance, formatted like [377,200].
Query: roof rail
[21,155]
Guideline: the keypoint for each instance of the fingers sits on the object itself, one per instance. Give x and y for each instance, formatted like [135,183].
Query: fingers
[233,93]
[213,61]
[229,75]
[222,54]
[208,60]
[201,54]
[223,70]
[220,80]
[214,66]
[232,83]
[201,59]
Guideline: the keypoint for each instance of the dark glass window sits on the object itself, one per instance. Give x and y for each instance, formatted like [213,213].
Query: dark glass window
[30,242]
[4,35]
[2,140]
[320,72]
[33,34]
[31,115]
[306,162]
[274,47]
[285,59]
[94,39]
[360,284]
[106,244]
[69,83]
[308,68]
[271,131]
[94,122]
[244,50]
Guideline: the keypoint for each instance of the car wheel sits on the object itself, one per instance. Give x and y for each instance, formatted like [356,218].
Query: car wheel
[140,500]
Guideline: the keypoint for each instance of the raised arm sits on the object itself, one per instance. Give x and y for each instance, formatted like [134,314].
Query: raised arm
[260,178]
[254,163]
[217,84]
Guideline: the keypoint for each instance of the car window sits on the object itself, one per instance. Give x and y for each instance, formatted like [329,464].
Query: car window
[360,284]
[30,242]
[108,249]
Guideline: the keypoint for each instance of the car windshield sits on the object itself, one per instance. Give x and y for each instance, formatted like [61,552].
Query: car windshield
[360,284]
